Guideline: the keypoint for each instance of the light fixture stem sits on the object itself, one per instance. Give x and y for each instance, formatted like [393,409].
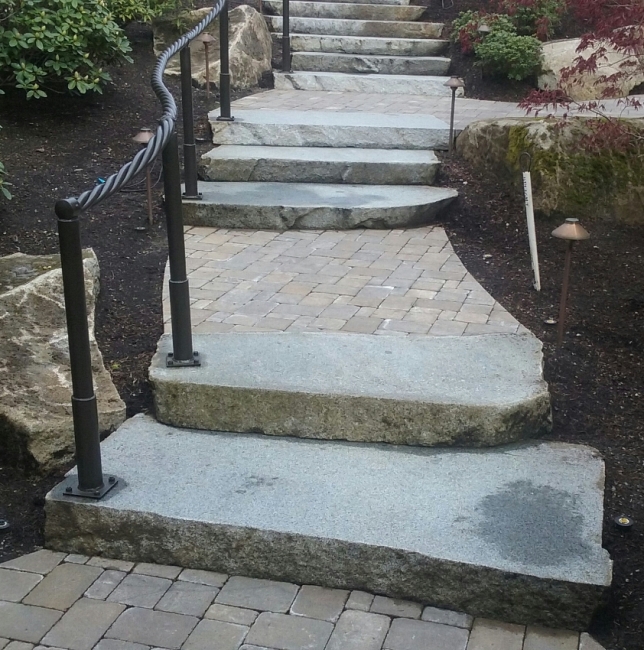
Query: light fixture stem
[564,293]
[451,121]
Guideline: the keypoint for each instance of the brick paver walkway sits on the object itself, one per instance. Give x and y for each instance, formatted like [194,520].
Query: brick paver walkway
[388,282]
[72,602]
[467,110]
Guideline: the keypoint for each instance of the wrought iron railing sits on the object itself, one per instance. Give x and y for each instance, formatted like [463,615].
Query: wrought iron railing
[92,482]
[286,37]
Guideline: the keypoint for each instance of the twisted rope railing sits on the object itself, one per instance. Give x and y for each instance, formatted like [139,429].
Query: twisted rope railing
[90,481]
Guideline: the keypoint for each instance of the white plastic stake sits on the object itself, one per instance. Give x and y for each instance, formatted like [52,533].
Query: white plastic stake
[532,234]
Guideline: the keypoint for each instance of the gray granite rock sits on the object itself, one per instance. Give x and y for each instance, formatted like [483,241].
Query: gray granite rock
[370,63]
[366,45]
[348,11]
[35,388]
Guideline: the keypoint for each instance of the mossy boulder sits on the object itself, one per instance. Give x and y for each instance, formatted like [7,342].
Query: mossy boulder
[568,179]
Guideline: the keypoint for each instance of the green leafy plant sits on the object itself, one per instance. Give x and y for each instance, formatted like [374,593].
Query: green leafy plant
[58,44]
[465,28]
[4,186]
[127,11]
[533,17]
[515,56]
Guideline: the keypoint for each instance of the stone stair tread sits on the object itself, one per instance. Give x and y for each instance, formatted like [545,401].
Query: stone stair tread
[433,86]
[370,63]
[512,533]
[283,206]
[345,27]
[365,44]
[373,2]
[346,11]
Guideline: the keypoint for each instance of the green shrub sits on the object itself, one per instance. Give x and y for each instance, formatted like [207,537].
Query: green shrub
[465,28]
[127,11]
[53,43]
[533,17]
[503,53]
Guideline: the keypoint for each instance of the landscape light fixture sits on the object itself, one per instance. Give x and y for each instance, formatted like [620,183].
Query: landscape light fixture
[453,83]
[571,231]
[206,39]
[4,526]
[484,29]
[624,522]
[143,137]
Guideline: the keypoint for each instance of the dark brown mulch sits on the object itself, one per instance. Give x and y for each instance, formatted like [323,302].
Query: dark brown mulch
[597,377]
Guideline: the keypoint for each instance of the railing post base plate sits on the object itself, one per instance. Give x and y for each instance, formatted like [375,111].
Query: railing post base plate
[225,119]
[195,362]
[69,487]
[192,197]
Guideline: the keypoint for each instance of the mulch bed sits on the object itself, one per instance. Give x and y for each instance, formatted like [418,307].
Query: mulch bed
[59,147]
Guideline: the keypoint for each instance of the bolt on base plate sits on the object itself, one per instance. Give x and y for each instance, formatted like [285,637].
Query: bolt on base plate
[171,362]
[69,487]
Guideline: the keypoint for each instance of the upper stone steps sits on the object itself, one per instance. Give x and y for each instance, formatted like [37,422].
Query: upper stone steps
[330,129]
[372,64]
[365,45]
[344,27]
[372,2]
[319,165]
[348,11]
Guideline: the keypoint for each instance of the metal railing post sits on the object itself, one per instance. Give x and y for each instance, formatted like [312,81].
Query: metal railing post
[224,70]
[91,482]
[286,37]
[189,147]
[182,353]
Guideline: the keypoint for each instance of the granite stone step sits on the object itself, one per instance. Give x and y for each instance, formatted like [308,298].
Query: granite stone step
[365,45]
[319,165]
[370,64]
[431,86]
[285,206]
[372,2]
[343,27]
[345,11]
[331,129]
[511,533]
[464,391]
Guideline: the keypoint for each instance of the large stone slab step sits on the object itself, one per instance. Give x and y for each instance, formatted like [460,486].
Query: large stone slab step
[330,129]
[343,27]
[345,11]
[512,533]
[365,45]
[464,391]
[284,206]
[319,165]
[371,64]
[373,2]
[431,86]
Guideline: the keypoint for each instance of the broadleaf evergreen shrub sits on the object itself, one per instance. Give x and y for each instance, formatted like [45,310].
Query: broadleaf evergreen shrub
[515,56]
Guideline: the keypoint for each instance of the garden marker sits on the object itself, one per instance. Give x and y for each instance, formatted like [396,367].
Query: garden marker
[529,211]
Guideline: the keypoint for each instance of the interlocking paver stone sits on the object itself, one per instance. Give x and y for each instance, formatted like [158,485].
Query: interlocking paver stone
[393,607]
[105,584]
[360,600]
[187,598]
[586,642]
[407,634]
[140,591]
[318,602]
[3,643]
[25,623]
[15,585]
[149,627]
[488,634]
[39,562]
[203,577]
[447,617]
[358,630]
[115,644]
[541,638]
[216,635]
[20,645]
[63,586]
[107,563]
[289,632]
[83,625]
[75,558]
[157,570]
[230,614]
[251,593]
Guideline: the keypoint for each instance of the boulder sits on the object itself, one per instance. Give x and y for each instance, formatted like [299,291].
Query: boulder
[250,46]
[567,179]
[558,55]
[36,429]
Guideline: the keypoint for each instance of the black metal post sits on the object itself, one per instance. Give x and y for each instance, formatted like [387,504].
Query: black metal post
[182,353]
[286,37]
[224,70]
[451,121]
[189,148]
[91,482]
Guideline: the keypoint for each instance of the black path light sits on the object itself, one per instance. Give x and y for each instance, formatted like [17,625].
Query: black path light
[453,83]
[143,137]
[571,231]
[206,39]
